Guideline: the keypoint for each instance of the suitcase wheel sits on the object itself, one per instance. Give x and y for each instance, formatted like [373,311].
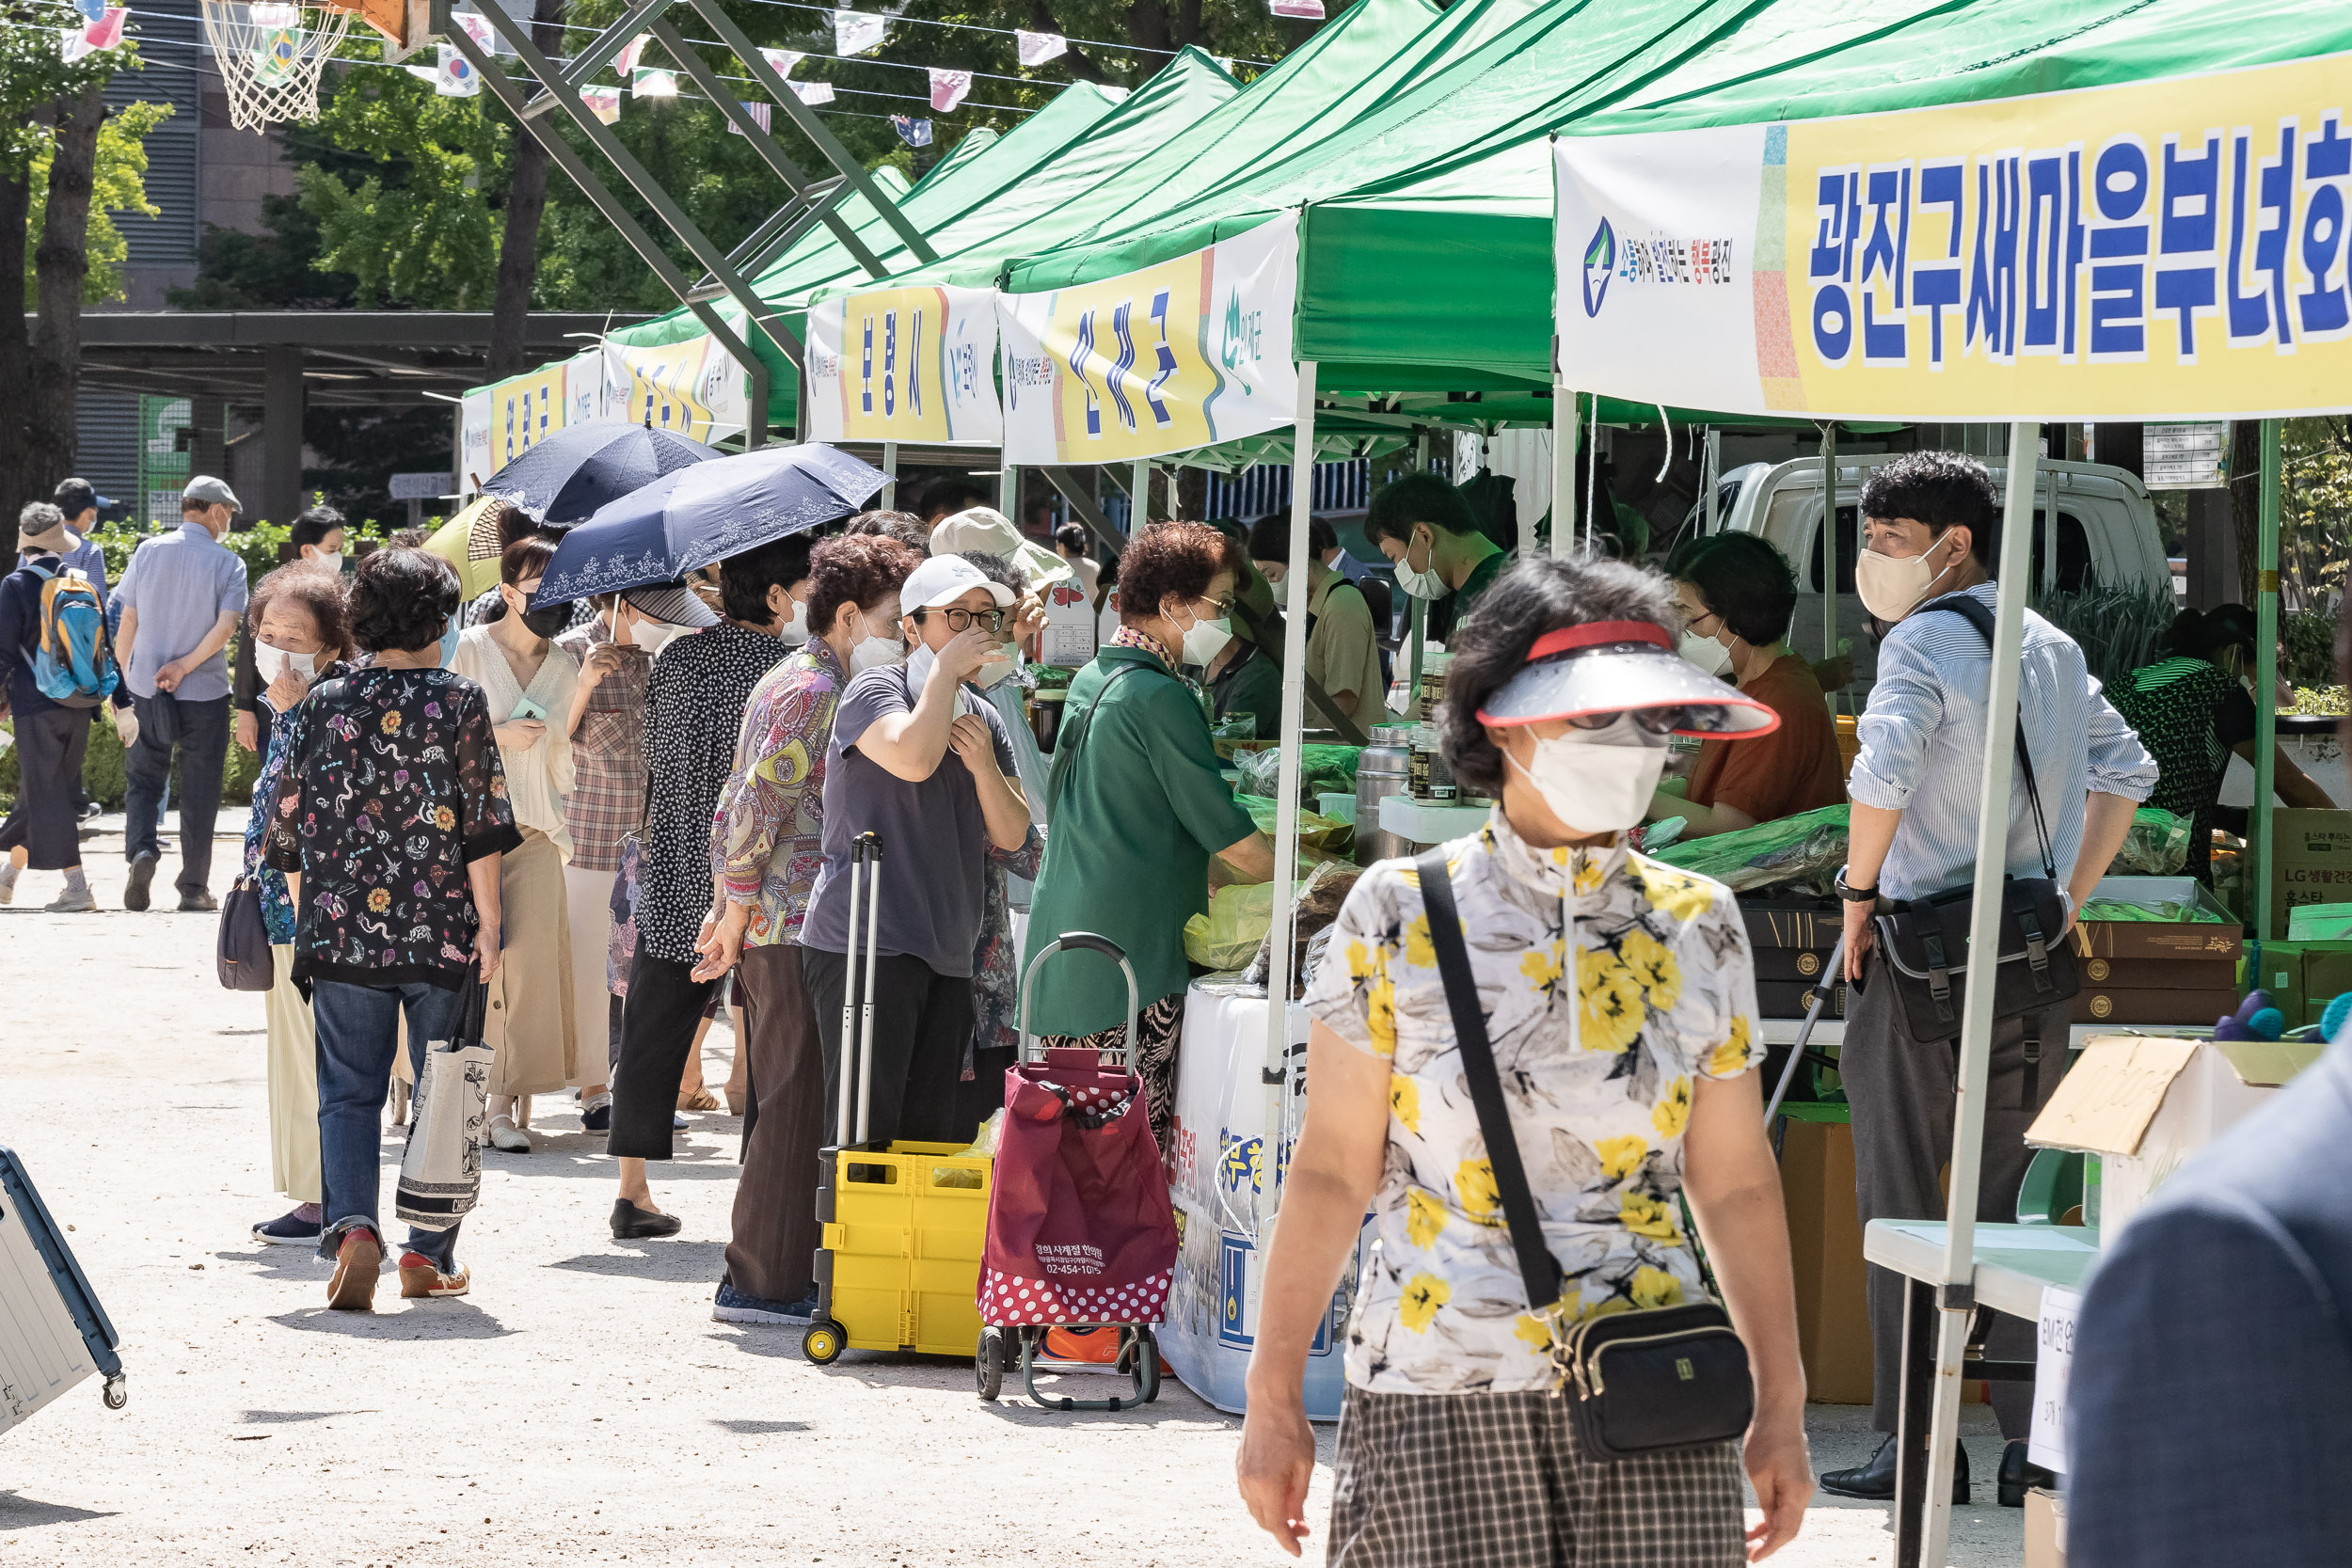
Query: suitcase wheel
[988,1363]
[823,1342]
[115,1395]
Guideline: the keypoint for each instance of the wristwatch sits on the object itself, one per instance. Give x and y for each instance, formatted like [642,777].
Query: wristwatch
[1854,894]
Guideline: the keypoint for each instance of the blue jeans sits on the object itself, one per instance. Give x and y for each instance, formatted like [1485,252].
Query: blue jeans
[358,1033]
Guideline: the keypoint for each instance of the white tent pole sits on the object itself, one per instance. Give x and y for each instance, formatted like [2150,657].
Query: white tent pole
[890,473]
[1957,1296]
[1140,495]
[1281,938]
[1564,434]
[1009,493]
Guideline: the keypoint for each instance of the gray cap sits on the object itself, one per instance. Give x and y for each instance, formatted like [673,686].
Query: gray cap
[212,492]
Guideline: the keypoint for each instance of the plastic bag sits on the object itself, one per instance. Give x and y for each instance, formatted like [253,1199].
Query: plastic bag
[1808,847]
[2157,844]
[1315,831]
[1322,770]
[1319,899]
[1240,914]
[982,1147]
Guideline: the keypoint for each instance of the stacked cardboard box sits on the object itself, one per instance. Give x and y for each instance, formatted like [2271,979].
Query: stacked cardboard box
[2176,972]
[1792,938]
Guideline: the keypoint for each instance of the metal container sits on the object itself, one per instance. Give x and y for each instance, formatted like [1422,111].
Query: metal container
[1384,769]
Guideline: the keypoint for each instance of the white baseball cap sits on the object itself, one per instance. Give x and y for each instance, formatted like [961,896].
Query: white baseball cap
[984,527]
[944,578]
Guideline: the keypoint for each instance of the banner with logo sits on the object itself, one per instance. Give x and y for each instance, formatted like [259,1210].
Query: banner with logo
[905,365]
[2172,249]
[1180,355]
[525,411]
[692,386]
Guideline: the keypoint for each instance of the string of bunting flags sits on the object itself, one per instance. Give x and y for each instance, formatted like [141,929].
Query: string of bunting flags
[100,28]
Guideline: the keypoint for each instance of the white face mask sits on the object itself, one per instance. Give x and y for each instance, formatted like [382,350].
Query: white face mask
[919,664]
[273,662]
[652,636]
[1274,574]
[332,563]
[1704,652]
[1891,587]
[1204,640]
[1420,585]
[795,631]
[1598,780]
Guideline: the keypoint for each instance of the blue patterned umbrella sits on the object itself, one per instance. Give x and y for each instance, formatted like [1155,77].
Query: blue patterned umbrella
[566,477]
[713,510]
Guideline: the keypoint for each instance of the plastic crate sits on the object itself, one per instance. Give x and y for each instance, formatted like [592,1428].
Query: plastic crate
[899,1264]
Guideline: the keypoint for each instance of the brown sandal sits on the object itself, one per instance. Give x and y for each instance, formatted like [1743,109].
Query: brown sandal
[697,1100]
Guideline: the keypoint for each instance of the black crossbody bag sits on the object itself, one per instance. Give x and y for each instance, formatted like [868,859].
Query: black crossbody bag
[1926,939]
[1639,1382]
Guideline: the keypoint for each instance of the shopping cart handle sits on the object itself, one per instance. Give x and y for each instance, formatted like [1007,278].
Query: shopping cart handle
[1103,945]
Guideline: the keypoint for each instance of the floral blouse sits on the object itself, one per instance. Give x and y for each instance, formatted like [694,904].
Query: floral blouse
[768,840]
[1597,1071]
[391,788]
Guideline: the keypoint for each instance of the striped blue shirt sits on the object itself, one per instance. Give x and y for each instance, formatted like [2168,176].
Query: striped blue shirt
[1923,739]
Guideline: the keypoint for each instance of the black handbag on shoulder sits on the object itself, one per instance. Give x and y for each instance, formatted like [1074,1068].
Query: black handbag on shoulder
[243,954]
[1639,1382]
[1926,939]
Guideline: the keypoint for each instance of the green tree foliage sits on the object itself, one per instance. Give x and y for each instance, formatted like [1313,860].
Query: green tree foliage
[121,186]
[2314,512]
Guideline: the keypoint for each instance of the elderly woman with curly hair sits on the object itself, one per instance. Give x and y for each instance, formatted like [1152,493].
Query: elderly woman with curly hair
[1140,806]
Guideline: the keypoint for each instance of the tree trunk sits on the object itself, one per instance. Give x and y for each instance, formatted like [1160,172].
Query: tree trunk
[525,203]
[1081,64]
[2246,502]
[60,265]
[16,344]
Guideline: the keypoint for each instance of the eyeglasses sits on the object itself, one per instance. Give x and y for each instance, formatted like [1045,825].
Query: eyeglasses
[964,620]
[1656,720]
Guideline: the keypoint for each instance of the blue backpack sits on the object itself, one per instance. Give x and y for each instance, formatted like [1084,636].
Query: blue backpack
[74,664]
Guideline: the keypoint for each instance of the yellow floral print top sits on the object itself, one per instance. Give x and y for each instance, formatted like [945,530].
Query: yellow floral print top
[1597,1071]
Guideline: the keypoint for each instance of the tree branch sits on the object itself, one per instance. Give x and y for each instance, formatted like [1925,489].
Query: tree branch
[1041,18]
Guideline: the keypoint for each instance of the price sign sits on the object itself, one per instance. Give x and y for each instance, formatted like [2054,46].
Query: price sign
[2185,456]
[2052,1367]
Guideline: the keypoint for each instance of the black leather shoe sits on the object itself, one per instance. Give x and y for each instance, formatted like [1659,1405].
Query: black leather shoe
[1875,1482]
[633,1224]
[135,895]
[2019,1475]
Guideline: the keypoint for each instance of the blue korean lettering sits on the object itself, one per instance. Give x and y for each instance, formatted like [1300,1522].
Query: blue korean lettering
[2120,188]
[866,371]
[890,364]
[1992,318]
[1117,380]
[1883,254]
[2054,250]
[2322,309]
[2260,316]
[1166,358]
[1935,289]
[2188,225]
[1837,206]
[915,368]
[1079,353]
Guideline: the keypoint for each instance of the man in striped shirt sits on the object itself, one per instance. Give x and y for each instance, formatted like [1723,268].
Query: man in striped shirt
[1930,527]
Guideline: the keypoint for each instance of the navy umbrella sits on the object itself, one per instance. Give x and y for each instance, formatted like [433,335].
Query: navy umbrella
[563,478]
[713,510]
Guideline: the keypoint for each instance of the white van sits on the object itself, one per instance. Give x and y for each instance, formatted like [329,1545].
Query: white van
[2107,531]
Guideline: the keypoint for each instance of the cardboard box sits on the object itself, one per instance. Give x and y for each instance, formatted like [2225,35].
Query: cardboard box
[2045,1528]
[1817,1184]
[2218,939]
[2326,975]
[2174,1010]
[1791,939]
[2310,860]
[2217,974]
[2146,1105]
[1792,998]
[2276,967]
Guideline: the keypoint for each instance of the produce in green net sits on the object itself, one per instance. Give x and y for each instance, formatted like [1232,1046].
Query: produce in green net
[1322,771]
[1806,847]
[2148,911]
[2157,844]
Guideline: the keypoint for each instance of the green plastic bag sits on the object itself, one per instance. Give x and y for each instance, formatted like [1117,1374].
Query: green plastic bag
[1807,847]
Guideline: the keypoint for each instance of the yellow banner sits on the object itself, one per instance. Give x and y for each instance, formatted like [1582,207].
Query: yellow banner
[915,364]
[661,384]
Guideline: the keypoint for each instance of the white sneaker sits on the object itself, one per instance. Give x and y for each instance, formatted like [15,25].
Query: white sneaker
[72,901]
[508,1137]
[8,893]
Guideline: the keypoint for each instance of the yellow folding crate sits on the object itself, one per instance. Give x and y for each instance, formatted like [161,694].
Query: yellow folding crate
[899,1263]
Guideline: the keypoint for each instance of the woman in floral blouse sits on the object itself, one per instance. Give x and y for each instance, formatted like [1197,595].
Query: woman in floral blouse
[1620,1000]
[298,632]
[389,823]
[767,844]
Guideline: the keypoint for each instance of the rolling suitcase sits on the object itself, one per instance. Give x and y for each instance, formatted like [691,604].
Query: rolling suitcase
[52,1332]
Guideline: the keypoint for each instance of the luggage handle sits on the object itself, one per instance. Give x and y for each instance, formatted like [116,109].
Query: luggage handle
[857,1048]
[1102,945]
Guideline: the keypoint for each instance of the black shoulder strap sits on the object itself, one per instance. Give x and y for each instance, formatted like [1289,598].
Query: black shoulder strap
[1067,743]
[1538,1269]
[1971,610]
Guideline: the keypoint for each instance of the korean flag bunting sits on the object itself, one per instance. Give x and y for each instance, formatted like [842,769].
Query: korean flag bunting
[456,76]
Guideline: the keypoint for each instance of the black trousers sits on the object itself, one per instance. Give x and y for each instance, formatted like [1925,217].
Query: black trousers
[201,740]
[49,749]
[922,1021]
[663,1009]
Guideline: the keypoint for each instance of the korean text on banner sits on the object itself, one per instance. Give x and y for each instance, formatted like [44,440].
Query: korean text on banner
[2170,249]
[1182,354]
[692,386]
[525,411]
[583,387]
[905,365]
[473,440]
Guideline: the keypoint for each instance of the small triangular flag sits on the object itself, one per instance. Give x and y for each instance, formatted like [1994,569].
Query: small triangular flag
[603,103]
[812,92]
[854,32]
[1038,48]
[456,77]
[759,112]
[780,61]
[626,61]
[915,133]
[1306,10]
[653,84]
[950,88]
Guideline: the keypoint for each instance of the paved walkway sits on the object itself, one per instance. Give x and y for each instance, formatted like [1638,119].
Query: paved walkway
[580,1405]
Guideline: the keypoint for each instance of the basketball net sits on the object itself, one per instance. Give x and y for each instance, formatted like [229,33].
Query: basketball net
[269,56]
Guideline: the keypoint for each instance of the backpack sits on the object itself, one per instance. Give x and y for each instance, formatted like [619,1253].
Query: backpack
[73,663]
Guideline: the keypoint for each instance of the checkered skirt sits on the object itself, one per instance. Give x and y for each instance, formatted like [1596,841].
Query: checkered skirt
[1498,1481]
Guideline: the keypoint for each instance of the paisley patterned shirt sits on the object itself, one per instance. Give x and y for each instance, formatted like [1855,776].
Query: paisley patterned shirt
[1597,1040]
[391,787]
[768,842]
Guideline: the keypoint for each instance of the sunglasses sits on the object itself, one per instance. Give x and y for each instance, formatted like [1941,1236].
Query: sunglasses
[1654,721]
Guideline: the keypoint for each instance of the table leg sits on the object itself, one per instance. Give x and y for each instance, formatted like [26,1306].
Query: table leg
[1911,1422]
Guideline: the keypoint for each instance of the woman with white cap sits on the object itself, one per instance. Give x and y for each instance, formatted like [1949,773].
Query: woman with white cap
[926,767]
[1617,1005]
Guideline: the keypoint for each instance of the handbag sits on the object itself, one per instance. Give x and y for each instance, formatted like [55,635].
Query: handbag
[243,951]
[1639,1382]
[1926,939]
[440,1170]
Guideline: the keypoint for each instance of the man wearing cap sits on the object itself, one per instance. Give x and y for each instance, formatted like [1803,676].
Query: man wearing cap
[180,597]
[1931,525]
[79,502]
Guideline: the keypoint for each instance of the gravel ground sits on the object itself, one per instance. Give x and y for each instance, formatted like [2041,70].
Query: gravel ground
[580,1405]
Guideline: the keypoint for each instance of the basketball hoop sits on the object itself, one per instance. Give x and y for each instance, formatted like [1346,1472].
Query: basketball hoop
[269,56]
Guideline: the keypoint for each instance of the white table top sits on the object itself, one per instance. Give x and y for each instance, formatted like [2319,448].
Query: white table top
[1426,821]
[1832,1031]
[2014,1261]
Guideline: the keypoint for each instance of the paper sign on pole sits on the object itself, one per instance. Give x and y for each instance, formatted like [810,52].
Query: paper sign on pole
[905,365]
[525,411]
[2052,1367]
[1185,353]
[473,440]
[694,387]
[2185,456]
[583,387]
[2170,249]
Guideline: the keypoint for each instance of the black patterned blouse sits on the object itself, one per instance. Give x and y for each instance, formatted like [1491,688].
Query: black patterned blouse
[391,789]
[694,702]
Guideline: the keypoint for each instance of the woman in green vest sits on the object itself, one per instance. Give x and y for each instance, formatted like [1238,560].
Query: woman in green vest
[1139,806]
